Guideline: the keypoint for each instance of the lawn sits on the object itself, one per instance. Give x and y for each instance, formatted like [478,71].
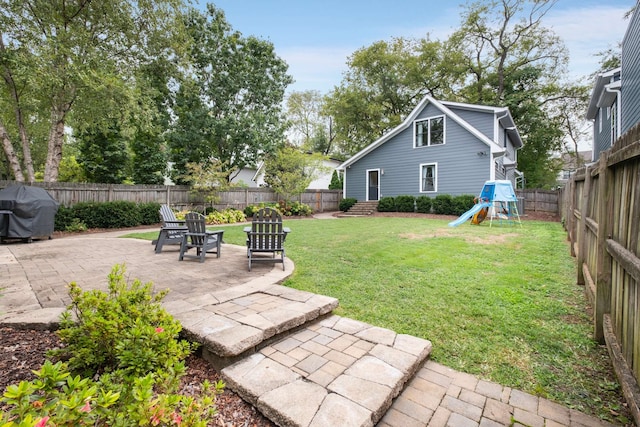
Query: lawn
[500,303]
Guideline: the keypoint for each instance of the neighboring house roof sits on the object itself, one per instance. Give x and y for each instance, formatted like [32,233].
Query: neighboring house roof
[503,115]
[605,90]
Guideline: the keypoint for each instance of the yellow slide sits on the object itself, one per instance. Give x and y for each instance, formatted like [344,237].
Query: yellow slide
[479,216]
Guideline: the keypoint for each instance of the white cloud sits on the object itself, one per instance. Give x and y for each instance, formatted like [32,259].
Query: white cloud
[586,32]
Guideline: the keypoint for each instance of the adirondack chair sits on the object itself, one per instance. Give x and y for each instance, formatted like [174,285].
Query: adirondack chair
[171,230]
[199,238]
[266,235]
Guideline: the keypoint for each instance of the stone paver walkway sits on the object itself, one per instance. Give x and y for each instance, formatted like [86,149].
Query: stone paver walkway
[279,348]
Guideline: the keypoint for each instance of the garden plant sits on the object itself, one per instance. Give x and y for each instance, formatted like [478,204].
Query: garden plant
[120,366]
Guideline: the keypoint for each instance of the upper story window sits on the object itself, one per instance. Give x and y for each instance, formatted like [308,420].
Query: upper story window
[429,132]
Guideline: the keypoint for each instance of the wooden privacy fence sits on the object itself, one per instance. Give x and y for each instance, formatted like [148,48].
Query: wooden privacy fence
[177,196]
[536,200]
[601,205]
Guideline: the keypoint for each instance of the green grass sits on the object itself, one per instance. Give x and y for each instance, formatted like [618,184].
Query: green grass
[500,303]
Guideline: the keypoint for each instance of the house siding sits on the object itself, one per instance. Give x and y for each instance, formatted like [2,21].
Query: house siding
[630,75]
[460,169]
[477,119]
[601,136]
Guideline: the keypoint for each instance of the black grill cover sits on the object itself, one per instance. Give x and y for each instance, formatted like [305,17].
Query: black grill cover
[33,212]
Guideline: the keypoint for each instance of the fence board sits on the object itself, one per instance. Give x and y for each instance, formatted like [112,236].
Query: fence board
[609,250]
[179,196]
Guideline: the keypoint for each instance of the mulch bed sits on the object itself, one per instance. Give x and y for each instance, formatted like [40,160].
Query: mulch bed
[23,351]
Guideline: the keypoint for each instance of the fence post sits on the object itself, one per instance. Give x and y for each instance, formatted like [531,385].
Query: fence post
[582,231]
[602,304]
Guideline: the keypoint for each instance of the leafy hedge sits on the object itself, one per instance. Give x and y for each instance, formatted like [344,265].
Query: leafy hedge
[423,204]
[387,204]
[117,214]
[443,204]
[406,204]
[285,209]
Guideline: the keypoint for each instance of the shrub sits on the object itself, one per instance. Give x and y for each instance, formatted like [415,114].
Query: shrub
[406,204]
[387,204]
[443,205]
[149,213]
[423,204]
[126,346]
[123,330]
[76,226]
[346,203]
[462,203]
[227,216]
[299,209]
[64,218]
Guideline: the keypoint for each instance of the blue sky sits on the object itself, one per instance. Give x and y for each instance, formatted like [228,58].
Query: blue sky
[315,37]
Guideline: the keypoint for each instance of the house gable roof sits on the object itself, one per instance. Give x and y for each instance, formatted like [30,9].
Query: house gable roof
[600,96]
[495,148]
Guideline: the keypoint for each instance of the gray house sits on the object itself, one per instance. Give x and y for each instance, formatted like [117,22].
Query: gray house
[604,110]
[440,148]
[614,106]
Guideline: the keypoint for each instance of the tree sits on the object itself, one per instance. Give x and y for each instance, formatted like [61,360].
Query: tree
[103,154]
[229,103]
[310,128]
[289,171]
[383,84]
[59,57]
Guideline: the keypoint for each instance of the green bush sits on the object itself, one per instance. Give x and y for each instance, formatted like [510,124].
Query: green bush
[405,203]
[64,218]
[149,213]
[123,330]
[346,203]
[117,214]
[443,205]
[462,203]
[423,204]
[76,226]
[126,346]
[227,216]
[298,209]
[85,212]
[387,204]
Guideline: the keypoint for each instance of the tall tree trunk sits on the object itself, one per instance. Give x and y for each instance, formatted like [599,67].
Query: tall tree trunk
[15,96]
[14,162]
[54,146]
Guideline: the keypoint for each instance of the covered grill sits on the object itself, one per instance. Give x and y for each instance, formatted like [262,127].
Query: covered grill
[26,212]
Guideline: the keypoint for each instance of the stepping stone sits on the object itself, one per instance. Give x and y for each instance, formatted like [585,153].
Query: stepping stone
[333,371]
[234,324]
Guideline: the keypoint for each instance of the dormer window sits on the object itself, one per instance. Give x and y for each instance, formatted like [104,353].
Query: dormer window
[429,132]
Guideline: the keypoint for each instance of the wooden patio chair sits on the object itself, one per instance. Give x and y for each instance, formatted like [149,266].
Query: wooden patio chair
[199,238]
[171,230]
[266,235]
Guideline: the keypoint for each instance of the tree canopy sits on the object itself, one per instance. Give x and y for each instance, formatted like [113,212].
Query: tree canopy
[69,63]
[228,105]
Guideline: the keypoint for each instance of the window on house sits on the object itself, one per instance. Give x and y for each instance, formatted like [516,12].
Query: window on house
[600,120]
[614,124]
[429,131]
[429,177]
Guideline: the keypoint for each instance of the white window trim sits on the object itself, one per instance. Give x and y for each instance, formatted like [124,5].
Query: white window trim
[428,144]
[379,183]
[435,178]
